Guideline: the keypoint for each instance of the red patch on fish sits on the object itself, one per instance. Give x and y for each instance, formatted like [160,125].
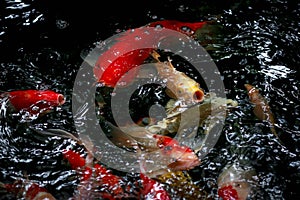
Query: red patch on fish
[183,157]
[228,193]
[153,189]
[75,159]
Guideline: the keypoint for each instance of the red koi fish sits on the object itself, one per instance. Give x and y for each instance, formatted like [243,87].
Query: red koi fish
[34,101]
[28,190]
[234,183]
[122,58]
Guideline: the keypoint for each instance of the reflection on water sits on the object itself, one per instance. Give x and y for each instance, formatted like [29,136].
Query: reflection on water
[259,45]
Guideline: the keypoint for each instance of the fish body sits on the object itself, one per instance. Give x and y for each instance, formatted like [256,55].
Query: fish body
[261,108]
[129,51]
[34,101]
[235,182]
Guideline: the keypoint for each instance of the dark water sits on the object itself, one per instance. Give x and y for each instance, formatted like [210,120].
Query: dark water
[41,43]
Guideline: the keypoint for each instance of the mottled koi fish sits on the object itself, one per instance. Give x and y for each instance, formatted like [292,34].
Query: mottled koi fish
[27,190]
[113,186]
[129,51]
[33,101]
[167,150]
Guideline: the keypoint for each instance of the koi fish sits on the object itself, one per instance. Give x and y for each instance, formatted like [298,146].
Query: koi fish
[166,149]
[180,86]
[33,101]
[28,190]
[261,108]
[122,58]
[234,183]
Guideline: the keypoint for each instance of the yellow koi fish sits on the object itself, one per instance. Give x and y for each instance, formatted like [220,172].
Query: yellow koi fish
[180,86]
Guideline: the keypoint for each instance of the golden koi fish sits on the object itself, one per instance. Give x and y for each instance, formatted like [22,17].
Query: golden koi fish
[180,86]
[261,108]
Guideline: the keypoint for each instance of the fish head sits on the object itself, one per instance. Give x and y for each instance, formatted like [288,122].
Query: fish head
[182,157]
[187,91]
[235,182]
[237,190]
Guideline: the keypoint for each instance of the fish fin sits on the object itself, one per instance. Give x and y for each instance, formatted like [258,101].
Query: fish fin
[155,55]
[57,132]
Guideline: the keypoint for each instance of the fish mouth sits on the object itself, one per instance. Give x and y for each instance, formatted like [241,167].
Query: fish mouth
[198,96]
[61,99]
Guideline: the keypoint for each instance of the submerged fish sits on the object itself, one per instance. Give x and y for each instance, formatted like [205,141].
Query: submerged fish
[165,152]
[33,101]
[212,105]
[261,108]
[235,181]
[27,190]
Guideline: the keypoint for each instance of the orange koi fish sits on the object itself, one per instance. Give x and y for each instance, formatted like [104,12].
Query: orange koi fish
[261,109]
[122,58]
[234,183]
[33,101]
[28,190]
